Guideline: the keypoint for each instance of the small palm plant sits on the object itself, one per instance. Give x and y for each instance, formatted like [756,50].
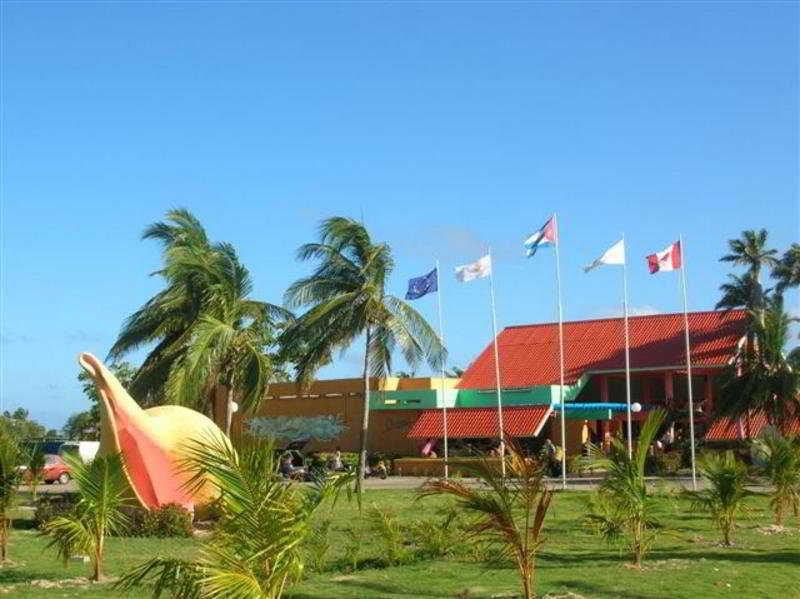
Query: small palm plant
[510,512]
[727,494]
[782,467]
[103,490]
[622,510]
[10,477]
[257,549]
[35,470]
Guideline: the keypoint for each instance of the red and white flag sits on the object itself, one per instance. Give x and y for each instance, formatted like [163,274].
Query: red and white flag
[669,259]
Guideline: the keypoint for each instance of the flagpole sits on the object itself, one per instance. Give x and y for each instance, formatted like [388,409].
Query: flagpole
[627,344]
[561,361]
[688,360]
[444,399]
[497,370]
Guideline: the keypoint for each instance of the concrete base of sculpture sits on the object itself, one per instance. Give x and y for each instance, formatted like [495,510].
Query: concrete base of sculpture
[153,442]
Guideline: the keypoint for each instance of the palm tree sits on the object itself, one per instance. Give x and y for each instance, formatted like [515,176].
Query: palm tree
[788,269]
[168,318]
[741,292]
[622,508]
[727,493]
[104,491]
[256,550]
[750,251]
[346,296]
[205,327]
[510,509]
[10,476]
[764,379]
[454,372]
[781,457]
[227,342]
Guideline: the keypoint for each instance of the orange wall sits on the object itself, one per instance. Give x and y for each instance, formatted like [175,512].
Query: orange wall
[387,428]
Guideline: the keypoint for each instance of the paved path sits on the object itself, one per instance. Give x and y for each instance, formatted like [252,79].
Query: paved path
[413,482]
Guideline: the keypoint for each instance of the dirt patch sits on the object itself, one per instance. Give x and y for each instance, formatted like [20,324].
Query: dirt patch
[662,564]
[774,529]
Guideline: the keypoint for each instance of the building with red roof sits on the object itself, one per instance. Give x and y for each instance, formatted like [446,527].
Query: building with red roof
[594,371]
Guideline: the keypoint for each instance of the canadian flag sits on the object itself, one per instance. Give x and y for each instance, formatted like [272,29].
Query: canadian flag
[669,259]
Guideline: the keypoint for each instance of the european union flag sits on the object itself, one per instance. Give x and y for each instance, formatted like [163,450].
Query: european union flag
[423,285]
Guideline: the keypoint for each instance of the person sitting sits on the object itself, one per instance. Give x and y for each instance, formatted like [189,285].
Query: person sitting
[287,468]
[337,464]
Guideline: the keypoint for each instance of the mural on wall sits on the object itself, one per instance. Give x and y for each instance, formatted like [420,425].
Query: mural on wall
[153,442]
[298,428]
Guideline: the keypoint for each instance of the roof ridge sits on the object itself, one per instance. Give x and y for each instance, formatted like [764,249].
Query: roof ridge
[609,318]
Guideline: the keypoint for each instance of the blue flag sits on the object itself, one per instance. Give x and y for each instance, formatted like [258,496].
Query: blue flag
[423,285]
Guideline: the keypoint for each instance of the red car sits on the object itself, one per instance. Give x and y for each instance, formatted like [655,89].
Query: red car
[55,470]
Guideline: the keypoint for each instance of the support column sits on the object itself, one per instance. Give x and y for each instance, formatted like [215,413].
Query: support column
[604,388]
[669,400]
[708,394]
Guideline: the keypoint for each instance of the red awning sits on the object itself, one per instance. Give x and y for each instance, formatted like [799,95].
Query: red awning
[518,421]
[746,427]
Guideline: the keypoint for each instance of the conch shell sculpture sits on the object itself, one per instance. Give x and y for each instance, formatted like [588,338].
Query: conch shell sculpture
[153,442]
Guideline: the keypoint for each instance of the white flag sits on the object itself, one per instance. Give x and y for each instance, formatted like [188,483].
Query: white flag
[613,255]
[477,270]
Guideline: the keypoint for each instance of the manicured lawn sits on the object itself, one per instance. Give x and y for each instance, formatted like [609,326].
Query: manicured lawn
[573,563]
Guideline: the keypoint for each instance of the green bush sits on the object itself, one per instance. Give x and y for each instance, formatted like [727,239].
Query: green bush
[665,463]
[50,507]
[167,521]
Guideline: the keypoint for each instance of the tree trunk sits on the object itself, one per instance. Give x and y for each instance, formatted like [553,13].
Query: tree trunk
[3,538]
[228,406]
[98,558]
[362,461]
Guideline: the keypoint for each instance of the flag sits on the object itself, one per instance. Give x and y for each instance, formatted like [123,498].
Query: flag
[544,236]
[669,259]
[419,286]
[613,255]
[477,270]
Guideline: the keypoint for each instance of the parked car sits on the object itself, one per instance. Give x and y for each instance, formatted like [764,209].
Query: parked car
[55,470]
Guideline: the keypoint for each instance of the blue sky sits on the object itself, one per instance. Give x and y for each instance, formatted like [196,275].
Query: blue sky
[447,125]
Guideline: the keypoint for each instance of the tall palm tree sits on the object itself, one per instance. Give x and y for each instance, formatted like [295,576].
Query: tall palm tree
[751,251]
[205,327]
[166,319]
[346,296]
[741,292]
[788,269]
[765,379]
[227,342]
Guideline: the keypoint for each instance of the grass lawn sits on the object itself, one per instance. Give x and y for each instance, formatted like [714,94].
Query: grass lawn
[573,563]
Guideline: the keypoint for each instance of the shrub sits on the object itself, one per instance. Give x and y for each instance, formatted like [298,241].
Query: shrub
[51,507]
[352,548]
[438,537]
[167,521]
[384,523]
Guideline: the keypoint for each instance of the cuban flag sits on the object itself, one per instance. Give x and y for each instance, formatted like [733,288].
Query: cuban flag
[669,259]
[420,286]
[545,236]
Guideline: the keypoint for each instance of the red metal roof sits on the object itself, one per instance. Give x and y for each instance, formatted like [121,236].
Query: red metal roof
[518,421]
[726,429]
[529,353]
